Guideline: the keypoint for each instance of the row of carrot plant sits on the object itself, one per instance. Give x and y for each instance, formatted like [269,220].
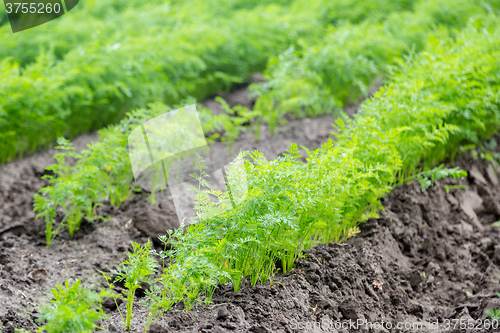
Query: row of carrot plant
[95,84]
[318,78]
[163,52]
[110,21]
[136,18]
[446,96]
[337,71]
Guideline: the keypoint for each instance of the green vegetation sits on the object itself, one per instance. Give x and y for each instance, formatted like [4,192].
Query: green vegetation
[102,172]
[441,59]
[493,313]
[446,96]
[74,309]
[139,266]
[98,81]
[3,15]
[164,52]
[318,78]
[429,177]
[315,80]
[104,16]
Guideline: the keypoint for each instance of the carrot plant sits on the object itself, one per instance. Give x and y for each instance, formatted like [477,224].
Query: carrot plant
[132,272]
[83,193]
[74,309]
[429,177]
[196,274]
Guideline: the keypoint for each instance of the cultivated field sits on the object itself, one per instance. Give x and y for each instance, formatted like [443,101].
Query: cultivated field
[366,197]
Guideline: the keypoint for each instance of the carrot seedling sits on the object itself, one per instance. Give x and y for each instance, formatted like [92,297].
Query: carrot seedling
[74,309]
[138,268]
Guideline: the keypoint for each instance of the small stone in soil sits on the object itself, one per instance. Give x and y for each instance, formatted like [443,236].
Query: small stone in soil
[223,313]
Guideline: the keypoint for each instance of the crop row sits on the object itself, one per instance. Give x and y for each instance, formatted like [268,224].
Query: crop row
[347,60]
[446,96]
[69,31]
[163,53]
[95,84]
[110,21]
[318,78]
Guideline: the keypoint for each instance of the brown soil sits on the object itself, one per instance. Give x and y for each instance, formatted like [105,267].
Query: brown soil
[431,256]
